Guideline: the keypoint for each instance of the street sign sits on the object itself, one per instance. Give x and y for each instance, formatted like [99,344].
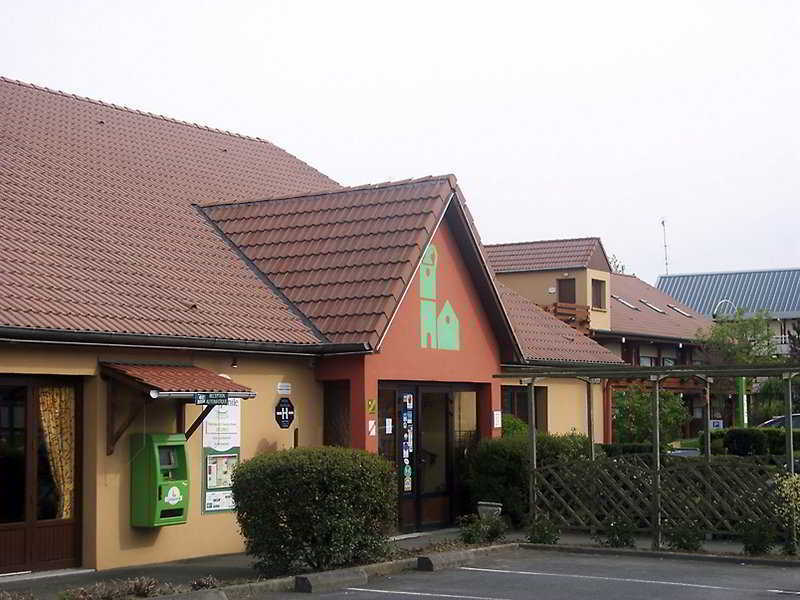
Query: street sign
[212,398]
[284,413]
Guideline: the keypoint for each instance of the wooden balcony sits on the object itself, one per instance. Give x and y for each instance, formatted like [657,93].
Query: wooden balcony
[574,315]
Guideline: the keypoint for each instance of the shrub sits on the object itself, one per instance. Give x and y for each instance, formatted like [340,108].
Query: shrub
[618,532]
[686,536]
[618,449]
[205,583]
[115,589]
[776,439]
[717,441]
[758,536]
[745,441]
[480,530]
[543,530]
[632,415]
[5,595]
[315,508]
[514,426]
[787,489]
[497,470]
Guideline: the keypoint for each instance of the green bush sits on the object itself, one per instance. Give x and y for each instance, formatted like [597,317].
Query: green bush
[632,415]
[514,426]
[480,530]
[746,441]
[717,441]
[497,470]
[685,536]
[317,508]
[758,536]
[617,449]
[776,439]
[618,532]
[118,589]
[543,530]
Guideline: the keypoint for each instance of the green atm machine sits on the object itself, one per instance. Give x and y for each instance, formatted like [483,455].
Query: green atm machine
[159,479]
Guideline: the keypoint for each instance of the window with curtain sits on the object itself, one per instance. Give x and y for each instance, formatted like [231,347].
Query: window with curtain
[56,445]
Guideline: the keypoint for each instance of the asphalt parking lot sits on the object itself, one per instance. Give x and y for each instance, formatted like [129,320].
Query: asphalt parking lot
[525,574]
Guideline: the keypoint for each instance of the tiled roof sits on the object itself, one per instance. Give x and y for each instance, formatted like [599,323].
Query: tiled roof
[345,257]
[546,255]
[776,291]
[98,232]
[545,338]
[643,319]
[171,378]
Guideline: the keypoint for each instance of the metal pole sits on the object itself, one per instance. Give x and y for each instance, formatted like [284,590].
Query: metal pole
[656,465]
[789,436]
[590,413]
[532,445]
[708,419]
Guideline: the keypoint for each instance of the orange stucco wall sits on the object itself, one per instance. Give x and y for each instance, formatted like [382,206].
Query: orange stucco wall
[401,356]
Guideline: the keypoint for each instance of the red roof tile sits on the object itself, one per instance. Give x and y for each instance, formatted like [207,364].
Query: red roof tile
[545,338]
[546,255]
[644,320]
[98,232]
[344,257]
[172,378]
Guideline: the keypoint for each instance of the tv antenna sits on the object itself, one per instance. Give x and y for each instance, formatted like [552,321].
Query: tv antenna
[666,258]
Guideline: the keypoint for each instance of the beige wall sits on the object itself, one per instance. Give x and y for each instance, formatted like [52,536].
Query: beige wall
[599,319]
[567,408]
[108,540]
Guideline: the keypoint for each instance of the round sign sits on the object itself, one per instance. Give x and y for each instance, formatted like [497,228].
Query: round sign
[284,413]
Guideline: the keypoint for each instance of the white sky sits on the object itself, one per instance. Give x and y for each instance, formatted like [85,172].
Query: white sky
[560,119]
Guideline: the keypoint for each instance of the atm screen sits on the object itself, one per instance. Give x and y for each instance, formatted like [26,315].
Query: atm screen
[167,457]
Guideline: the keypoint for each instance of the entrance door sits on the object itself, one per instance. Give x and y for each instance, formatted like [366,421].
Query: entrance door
[415,433]
[39,452]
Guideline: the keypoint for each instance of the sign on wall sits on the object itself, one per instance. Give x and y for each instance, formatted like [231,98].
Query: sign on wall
[284,413]
[221,453]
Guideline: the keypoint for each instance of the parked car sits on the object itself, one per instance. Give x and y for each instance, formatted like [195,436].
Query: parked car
[780,421]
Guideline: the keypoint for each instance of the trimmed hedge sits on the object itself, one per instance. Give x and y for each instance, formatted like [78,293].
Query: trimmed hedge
[620,449]
[317,508]
[769,440]
[497,470]
[745,442]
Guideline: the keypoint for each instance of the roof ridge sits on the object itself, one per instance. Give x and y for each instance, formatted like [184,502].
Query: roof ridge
[541,241]
[342,190]
[135,111]
[730,272]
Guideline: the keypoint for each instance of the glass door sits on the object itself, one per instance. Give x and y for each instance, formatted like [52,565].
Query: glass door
[39,525]
[434,458]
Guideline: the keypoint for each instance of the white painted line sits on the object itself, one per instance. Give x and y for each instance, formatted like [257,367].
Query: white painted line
[787,592]
[622,579]
[422,594]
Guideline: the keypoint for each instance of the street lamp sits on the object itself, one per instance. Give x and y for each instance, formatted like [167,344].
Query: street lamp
[741,418]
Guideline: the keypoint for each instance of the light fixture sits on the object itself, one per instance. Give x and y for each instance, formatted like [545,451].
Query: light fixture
[235,363]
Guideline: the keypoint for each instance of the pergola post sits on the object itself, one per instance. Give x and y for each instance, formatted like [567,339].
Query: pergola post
[707,433]
[656,464]
[532,447]
[590,412]
[788,423]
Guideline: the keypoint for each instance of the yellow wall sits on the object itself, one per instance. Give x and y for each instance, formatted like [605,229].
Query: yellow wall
[108,540]
[599,319]
[567,408]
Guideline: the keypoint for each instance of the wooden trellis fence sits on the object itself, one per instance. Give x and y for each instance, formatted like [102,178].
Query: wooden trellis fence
[716,496]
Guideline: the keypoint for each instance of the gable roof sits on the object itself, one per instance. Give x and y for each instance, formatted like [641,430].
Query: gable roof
[548,255]
[544,338]
[658,316]
[346,257]
[98,231]
[776,291]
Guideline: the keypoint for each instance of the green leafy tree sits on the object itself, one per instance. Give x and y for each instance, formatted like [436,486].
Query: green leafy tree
[738,340]
[633,415]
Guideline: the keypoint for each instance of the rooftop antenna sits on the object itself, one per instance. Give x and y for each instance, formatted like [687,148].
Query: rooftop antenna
[666,259]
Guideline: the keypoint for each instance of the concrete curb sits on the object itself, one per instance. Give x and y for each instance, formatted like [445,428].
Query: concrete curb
[327,581]
[210,594]
[254,588]
[742,560]
[456,558]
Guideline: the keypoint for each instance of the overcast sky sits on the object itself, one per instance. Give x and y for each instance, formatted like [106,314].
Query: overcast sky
[560,119]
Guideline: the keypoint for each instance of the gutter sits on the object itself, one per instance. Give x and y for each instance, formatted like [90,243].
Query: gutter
[143,340]
[641,336]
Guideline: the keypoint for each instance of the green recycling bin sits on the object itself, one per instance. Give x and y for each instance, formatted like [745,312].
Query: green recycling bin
[159,479]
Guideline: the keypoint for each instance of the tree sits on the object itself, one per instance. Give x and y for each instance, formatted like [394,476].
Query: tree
[633,415]
[616,264]
[794,342]
[738,340]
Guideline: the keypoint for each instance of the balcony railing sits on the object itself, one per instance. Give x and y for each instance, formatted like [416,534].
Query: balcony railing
[781,344]
[575,315]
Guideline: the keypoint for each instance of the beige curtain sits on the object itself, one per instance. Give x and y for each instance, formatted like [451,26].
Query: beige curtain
[57,413]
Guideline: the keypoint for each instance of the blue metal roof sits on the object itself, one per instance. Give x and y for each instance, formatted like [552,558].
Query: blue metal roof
[776,291]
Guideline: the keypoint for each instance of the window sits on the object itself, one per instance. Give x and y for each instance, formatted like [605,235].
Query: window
[653,306]
[648,361]
[668,362]
[515,402]
[679,311]
[598,293]
[566,291]
[625,302]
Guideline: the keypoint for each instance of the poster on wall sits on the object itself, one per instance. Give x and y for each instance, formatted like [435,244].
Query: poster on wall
[221,451]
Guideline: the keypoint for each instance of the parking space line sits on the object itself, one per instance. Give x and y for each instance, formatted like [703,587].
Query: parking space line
[624,580]
[427,594]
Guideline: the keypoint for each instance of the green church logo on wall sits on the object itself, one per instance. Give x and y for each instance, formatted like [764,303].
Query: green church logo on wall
[436,331]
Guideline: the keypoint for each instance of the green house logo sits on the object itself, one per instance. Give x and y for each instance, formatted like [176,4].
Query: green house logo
[436,330]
